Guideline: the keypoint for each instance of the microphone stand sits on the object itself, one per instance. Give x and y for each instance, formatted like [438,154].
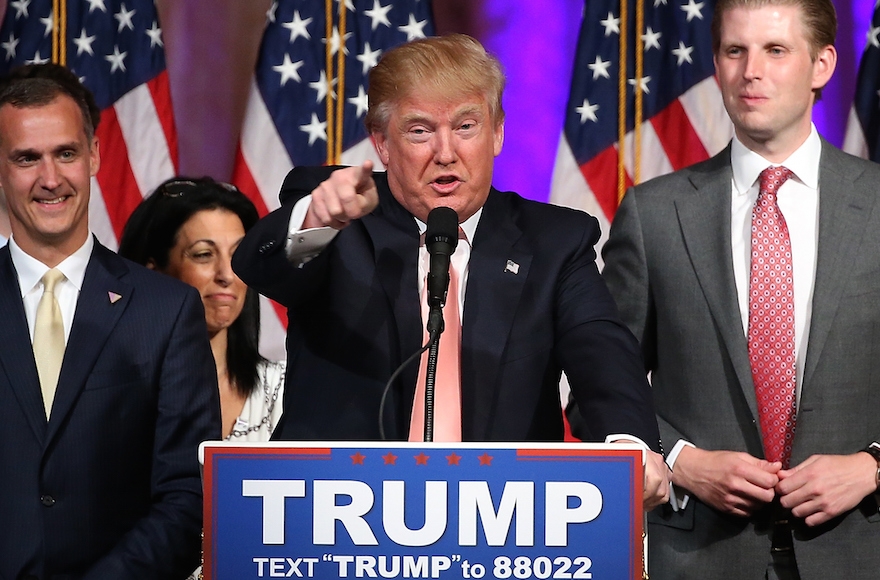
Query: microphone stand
[435,328]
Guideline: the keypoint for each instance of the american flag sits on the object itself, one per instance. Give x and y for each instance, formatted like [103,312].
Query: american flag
[863,126]
[684,117]
[116,49]
[289,120]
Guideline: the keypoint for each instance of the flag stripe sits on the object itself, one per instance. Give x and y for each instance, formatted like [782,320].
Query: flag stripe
[116,178]
[160,91]
[678,138]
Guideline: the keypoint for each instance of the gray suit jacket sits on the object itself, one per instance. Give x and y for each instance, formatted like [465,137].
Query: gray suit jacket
[669,267]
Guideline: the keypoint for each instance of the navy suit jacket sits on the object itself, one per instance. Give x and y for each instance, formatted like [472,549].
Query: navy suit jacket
[535,305]
[109,487]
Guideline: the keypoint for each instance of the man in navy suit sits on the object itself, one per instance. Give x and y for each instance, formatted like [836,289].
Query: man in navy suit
[99,474]
[343,254]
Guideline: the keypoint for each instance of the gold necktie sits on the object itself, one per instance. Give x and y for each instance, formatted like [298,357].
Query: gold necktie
[49,338]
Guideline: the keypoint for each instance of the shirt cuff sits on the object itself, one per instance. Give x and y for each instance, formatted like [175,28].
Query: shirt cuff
[305,244]
[677,501]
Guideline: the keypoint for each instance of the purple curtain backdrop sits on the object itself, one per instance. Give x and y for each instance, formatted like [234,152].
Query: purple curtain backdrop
[211,48]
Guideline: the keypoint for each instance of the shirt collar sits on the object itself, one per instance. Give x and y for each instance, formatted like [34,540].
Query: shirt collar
[468,226]
[748,165]
[30,270]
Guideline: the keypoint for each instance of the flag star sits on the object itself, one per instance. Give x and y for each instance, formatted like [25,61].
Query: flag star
[289,70]
[348,5]
[47,22]
[322,87]
[587,111]
[611,24]
[21,8]
[651,39]
[124,18]
[379,14]
[316,129]
[298,27]
[96,4]
[873,36]
[369,58]
[84,43]
[642,83]
[600,68]
[37,59]
[413,29]
[360,101]
[155,34]
[683,53]
[693,10]
[10,46]
[116,60]
[335,41]
[659,2]
[270,13]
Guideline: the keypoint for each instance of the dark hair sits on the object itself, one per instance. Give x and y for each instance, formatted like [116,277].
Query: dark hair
[151,232]
[37,85]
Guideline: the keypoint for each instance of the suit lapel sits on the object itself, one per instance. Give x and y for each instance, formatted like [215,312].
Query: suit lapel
[491,299]
[96,316]
[395,250]
[16,354]
[704,218]
[843,213]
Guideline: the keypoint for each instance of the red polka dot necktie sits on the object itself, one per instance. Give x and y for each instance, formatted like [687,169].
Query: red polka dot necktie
[771,319]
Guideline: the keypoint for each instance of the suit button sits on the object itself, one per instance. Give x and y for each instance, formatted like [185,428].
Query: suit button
[267,246]
[47,500]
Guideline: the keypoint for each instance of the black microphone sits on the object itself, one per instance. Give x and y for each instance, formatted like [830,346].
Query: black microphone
[441,238]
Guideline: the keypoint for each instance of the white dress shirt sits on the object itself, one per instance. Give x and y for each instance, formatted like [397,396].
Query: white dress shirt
[30,273]
[798,200]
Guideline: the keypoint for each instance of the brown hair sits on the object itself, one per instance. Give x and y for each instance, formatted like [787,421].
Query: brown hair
[452,65]
[818,17]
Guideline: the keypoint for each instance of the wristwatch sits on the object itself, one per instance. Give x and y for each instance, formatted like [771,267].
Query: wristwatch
[874,451]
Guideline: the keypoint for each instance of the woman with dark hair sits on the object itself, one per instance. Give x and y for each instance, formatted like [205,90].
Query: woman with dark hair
[189,228]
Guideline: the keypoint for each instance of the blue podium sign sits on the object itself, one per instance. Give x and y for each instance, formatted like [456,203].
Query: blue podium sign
[422,510]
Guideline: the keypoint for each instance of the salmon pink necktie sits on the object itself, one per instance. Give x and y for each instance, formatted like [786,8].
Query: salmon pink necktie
[447,382]
[771,319]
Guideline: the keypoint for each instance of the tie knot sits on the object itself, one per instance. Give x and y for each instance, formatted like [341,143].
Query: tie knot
[50,279]
[772,178]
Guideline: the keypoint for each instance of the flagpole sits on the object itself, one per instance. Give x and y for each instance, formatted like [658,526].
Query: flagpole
[328,55]
[621,102]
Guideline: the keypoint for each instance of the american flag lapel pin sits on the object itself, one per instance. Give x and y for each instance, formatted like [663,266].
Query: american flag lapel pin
[512,267]
[114,297]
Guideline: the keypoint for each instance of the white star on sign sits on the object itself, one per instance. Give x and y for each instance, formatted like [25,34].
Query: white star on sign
[289,70]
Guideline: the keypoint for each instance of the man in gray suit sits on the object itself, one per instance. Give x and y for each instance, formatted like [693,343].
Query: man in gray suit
[762,329]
